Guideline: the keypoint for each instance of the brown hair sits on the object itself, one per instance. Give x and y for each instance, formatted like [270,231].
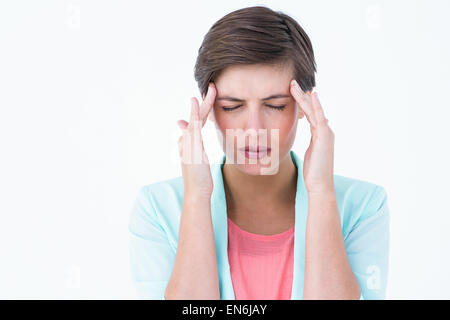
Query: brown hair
[255,35]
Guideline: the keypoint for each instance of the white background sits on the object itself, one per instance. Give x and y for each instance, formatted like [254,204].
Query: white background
[90,93]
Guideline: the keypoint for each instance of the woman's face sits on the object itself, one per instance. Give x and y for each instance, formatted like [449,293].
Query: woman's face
[254,109]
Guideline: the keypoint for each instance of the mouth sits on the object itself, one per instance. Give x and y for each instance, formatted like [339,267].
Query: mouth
[255,152]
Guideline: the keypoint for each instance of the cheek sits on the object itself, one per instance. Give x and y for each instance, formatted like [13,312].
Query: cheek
[286,123]
[223,122]
[287,129]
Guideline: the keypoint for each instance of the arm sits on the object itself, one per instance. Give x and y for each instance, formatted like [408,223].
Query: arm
[195,274]
[333,269]
[328,274]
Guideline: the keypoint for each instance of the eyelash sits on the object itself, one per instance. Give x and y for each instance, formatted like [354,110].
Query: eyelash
[279,108]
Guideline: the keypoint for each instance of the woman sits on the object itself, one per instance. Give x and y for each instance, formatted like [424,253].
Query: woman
[262,224]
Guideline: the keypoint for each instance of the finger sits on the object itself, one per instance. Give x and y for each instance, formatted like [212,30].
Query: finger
[180,146]
[192,115]
[318,110]
[182,124]
[195,125]
[304,101]
[208,102]
[195,118]
[185,142]
[195,133]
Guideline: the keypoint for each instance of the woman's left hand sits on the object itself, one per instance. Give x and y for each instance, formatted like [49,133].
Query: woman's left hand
[318,171]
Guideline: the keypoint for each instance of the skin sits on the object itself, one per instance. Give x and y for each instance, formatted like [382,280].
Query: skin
[262,204]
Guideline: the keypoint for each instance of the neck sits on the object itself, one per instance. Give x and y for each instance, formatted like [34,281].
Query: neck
[260,193]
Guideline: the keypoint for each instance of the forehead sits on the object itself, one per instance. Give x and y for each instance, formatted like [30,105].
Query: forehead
[255,80]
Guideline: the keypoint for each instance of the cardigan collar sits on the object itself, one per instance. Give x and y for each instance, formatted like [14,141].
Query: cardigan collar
[220,226]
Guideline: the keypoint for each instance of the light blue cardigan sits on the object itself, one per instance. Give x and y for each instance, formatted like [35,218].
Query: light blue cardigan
[155,220]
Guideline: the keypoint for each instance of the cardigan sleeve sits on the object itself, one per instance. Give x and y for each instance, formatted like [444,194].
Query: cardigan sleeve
[367,246]
[151,256]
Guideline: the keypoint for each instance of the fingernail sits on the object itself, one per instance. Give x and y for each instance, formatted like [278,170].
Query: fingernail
[295,83]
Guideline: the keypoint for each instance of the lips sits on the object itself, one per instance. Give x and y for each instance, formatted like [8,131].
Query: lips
[252,152]
[255,149]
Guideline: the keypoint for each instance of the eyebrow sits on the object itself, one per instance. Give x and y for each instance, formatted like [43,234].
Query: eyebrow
[274,96]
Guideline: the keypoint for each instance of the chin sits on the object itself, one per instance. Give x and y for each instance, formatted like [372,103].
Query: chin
[256,169]
[266,166]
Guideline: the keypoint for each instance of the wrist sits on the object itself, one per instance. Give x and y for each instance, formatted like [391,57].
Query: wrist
[196,198]
[323,194]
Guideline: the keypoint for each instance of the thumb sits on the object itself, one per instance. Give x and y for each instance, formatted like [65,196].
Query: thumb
[182,124]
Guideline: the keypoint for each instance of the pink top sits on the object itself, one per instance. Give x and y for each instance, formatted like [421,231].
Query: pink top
[261,265]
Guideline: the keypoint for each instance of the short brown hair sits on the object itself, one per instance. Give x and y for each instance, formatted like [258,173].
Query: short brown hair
[255,35]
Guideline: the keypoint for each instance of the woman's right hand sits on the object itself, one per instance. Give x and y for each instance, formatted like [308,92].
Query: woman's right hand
[195,166]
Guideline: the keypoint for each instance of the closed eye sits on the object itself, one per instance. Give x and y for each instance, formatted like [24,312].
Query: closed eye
[276,107]
[268,105]
[231,109]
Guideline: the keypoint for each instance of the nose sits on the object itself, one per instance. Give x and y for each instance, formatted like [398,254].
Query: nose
[255,118]
[255,129]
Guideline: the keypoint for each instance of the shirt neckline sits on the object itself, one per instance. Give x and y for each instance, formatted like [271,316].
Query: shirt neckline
[263,237]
